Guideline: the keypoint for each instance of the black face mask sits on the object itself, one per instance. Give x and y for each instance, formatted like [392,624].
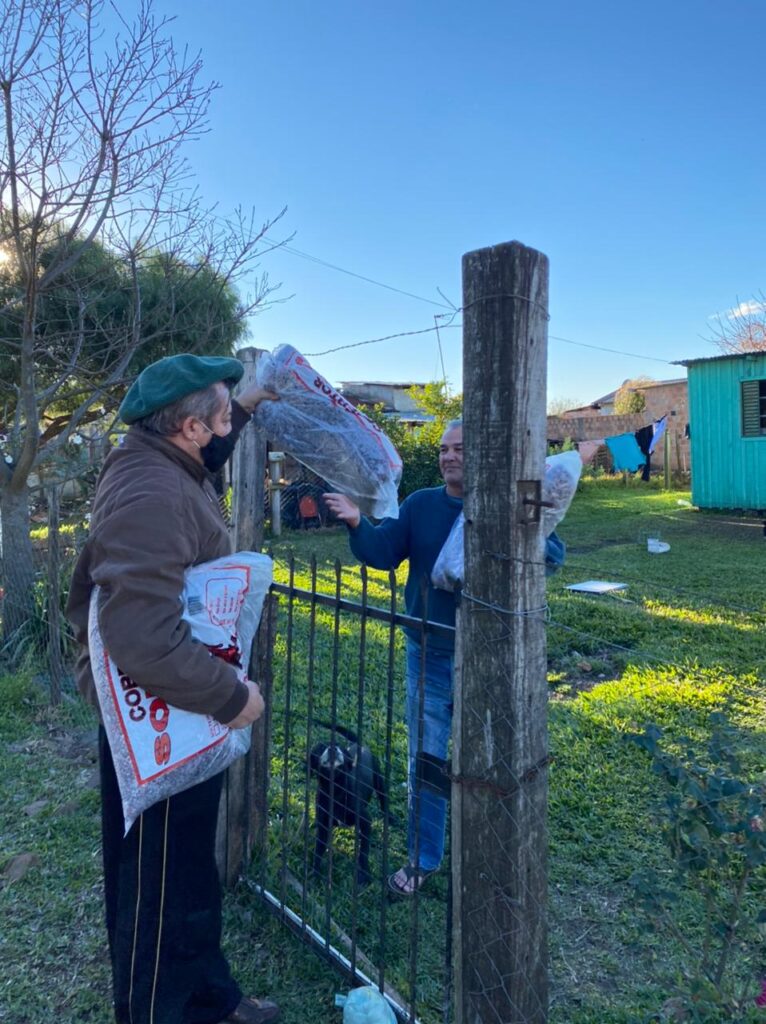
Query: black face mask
[217,451]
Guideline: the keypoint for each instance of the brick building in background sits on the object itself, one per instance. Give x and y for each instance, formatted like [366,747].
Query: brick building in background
[663,397]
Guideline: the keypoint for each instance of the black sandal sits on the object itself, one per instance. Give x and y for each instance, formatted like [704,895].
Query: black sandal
[412,874]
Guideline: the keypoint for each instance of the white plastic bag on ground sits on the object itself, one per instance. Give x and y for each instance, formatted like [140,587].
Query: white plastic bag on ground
[324,431]
[159,750]
[365,1006]
[562,474]
[447,573]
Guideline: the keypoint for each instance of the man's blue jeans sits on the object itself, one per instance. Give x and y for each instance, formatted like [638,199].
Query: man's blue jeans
[429,826]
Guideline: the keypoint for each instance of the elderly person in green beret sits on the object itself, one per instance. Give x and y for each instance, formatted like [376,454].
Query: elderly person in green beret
[155,514]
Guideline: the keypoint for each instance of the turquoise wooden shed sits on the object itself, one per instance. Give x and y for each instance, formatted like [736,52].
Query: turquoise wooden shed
[727,422]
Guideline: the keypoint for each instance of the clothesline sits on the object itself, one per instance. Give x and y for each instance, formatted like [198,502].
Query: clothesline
[630,451]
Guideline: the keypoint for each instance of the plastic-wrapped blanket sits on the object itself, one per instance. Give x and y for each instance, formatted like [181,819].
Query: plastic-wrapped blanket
[329,435]
[447,573]
[159,750]
[562,473]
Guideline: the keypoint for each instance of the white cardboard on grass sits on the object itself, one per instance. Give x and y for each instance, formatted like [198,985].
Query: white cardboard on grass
[159,750]
[596,587]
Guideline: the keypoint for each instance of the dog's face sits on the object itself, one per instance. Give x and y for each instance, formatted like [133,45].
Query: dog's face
[328,757]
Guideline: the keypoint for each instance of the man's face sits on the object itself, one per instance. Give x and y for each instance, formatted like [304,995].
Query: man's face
[451,459]
[220,423]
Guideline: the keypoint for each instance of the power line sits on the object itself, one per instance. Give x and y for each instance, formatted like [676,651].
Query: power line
[342,270]
[438,327]
[616,351]
[433,302]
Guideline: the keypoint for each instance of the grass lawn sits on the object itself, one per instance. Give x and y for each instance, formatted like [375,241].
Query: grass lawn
[684,639]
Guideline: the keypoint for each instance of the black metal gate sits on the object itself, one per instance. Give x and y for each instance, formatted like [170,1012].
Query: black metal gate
[338,684]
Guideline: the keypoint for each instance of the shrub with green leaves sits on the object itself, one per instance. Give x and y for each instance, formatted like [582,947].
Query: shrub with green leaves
[713,822]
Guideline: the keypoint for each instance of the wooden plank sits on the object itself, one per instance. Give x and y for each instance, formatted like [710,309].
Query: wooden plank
[500,748]
[234,837]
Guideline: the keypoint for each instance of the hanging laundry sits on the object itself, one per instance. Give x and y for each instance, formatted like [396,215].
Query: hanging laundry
[659,429]
[625,452]
[587,449]
[644,438]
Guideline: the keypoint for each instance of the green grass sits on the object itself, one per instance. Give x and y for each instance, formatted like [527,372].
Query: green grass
[684,639]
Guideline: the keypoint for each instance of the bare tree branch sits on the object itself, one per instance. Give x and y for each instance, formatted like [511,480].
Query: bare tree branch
[109,256]
[743,328]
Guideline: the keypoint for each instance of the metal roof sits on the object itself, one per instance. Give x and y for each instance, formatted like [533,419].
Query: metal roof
[718,359]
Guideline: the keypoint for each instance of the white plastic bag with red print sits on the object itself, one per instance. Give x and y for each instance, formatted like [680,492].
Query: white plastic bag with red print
[159,750]
[324,431]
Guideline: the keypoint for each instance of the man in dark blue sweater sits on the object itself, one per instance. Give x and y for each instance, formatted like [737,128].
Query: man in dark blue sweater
[425,520]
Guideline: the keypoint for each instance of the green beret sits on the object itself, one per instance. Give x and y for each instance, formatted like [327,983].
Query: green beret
[172,378]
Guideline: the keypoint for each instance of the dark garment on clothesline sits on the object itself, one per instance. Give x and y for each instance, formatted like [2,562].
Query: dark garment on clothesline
[644,437]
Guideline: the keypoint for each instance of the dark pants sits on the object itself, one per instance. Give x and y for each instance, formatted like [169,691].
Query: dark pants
[163,907]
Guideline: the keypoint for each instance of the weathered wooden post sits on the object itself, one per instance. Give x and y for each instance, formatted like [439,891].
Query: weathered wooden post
[500,755]
[667,473]
[55,660]
[239,799]
[249,471]
[276,463]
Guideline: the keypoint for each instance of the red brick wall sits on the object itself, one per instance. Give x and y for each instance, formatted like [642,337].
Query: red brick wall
[661,399]
[590,428]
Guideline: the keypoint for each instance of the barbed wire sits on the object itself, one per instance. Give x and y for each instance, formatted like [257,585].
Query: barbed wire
[491,606]
[375,341]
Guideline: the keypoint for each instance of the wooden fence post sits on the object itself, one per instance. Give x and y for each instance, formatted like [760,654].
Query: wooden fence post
[500,747]
[237,810]
[667,472]
[55,659]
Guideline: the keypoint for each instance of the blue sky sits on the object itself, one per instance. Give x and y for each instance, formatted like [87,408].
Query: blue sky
[620,139]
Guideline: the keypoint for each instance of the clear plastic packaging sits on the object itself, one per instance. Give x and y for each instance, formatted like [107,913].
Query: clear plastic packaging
[562,473]
[324,431]
[159,750]
[447,573]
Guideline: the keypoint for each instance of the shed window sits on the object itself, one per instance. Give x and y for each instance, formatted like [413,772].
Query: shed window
[753,408]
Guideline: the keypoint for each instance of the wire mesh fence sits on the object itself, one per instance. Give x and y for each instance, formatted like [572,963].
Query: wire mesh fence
[339,793]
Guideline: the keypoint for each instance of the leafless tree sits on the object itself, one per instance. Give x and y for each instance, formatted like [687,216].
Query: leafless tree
[742,329]
[92,137]
[561,404]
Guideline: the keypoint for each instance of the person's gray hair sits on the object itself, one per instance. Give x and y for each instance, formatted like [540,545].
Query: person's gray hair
[202,405]
[454,424]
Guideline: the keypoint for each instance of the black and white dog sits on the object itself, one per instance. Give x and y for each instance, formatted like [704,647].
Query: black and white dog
[347,776]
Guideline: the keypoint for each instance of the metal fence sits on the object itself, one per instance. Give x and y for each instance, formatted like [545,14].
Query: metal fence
[339,753]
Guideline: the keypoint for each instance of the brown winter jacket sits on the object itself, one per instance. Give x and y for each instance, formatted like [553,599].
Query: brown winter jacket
[155,514]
